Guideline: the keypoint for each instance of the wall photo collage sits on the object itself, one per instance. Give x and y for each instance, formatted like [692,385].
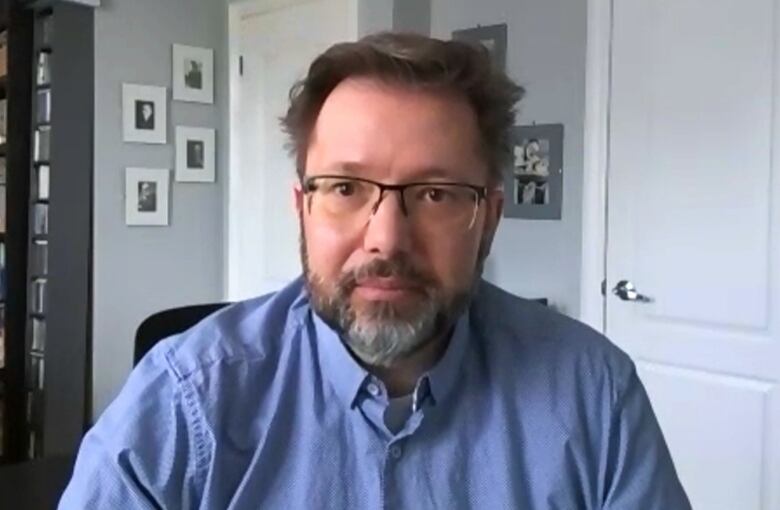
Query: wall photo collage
[145,120]
[533,186]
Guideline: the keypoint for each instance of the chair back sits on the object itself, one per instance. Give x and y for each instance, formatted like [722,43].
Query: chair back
[167,323]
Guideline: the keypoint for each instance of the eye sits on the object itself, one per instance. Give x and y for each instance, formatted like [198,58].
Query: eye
[435,194]
[343,188]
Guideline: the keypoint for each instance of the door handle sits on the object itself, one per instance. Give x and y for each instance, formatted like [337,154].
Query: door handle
[626,291]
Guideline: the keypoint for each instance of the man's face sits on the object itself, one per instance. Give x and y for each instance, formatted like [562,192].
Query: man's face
[147,109]
[387,283]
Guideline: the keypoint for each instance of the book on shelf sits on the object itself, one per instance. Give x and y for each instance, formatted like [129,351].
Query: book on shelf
[42,143]
[42,184]
[41,219]
[44,69]
[3,120]
[43,106]
[38,335]
[3,53]
[38,304]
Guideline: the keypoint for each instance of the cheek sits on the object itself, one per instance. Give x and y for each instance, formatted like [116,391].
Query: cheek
[328,249]
[452,258]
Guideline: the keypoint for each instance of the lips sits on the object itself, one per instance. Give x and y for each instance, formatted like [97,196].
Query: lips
[387,284]
[385,288]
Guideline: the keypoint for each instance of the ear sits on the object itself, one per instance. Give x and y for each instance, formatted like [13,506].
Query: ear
[494,210]
[298,196]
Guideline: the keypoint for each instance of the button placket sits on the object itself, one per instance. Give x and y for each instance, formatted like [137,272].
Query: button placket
[373,389]
[396,452]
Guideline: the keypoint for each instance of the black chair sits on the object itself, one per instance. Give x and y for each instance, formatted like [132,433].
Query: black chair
[163,324]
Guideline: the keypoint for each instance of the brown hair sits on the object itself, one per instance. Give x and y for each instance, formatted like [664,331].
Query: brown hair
[418,61]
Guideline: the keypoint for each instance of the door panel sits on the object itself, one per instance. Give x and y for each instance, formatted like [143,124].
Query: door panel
[729,425]
[278,41]
[693,222]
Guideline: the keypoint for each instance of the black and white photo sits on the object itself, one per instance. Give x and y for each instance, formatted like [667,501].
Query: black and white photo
[144,112]
[144,115]
[195,154]
[195,150]
[193,74]
[146,196]
[533,185]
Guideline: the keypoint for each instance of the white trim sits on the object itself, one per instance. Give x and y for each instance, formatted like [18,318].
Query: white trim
[594,200]
[253,8]
[353,21]
[230,256]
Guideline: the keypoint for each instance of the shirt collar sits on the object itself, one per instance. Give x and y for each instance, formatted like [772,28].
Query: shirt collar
[349,377]
[441,378]
[338,365]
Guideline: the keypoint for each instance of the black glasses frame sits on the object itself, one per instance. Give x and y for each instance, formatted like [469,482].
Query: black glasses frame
[310,185]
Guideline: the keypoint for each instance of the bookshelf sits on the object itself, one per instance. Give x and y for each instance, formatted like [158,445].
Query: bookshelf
[15,68]
[47,346]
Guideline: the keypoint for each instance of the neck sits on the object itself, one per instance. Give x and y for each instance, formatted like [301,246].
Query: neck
[401,378]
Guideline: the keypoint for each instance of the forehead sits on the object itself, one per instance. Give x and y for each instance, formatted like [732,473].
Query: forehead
[396,132]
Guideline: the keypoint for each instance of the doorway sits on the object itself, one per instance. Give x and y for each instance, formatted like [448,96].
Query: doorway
[682,222]
[272,44]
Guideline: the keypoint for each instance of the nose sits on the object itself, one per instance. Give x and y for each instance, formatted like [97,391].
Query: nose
[388,231]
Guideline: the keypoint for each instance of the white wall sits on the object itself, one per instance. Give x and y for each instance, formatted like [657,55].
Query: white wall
[141,270]
[546,55]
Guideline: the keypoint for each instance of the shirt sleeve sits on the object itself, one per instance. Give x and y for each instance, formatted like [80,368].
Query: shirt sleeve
[640,470]
[139,453]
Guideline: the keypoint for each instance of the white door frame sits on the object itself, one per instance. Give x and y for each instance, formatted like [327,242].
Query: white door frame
[238,11]
[596,163]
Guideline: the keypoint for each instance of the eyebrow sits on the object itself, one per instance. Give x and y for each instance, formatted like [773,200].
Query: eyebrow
[358,170]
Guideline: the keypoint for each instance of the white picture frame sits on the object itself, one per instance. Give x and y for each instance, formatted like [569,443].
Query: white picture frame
[146,196]
[193,74]
[145,113]
[195,154]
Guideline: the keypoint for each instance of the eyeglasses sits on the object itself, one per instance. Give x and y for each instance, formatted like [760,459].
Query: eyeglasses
[438,205]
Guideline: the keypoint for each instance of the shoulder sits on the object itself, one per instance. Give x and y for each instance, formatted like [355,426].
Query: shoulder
[248,331]
[524,331]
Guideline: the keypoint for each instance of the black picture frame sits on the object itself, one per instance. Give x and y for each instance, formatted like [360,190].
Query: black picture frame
[493,37]
[533,183]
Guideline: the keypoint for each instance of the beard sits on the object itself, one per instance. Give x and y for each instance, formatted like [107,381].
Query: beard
[380,333]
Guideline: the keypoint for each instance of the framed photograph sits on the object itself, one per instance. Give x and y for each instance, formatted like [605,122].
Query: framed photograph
[533,187]
[144,113]
[195,154]
[146,196]
[492,37]
[193,74]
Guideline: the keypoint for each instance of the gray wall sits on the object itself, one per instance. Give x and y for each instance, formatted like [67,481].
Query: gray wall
[141,270]
[546,54]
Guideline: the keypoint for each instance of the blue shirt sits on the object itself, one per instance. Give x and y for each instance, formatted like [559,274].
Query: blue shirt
[262,406]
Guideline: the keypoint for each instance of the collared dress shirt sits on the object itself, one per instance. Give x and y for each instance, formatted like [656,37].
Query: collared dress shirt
[262,406]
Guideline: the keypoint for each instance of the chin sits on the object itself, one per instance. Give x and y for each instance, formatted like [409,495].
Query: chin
[380,310]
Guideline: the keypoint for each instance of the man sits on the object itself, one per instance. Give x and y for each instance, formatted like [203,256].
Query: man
[195,154]
[390,375]
[193,77]
[144,115]
[147,196]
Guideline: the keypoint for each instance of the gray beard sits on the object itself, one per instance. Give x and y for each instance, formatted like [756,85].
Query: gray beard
[381,334]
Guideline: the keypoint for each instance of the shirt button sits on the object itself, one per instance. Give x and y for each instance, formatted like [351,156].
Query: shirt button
[373,389]
[396,452]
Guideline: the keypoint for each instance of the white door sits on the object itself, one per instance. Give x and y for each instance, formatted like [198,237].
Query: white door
[694,224]
[276,41]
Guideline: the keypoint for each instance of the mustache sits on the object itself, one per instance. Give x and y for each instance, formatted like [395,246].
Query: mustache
[396,267]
